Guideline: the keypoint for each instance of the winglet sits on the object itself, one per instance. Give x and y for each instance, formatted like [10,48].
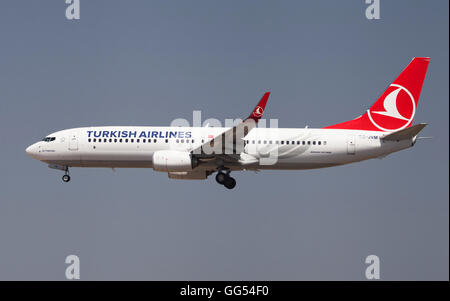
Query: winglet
[259,109]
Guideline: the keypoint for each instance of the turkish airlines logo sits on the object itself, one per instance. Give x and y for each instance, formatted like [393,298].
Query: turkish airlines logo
[258,112]
[395,112]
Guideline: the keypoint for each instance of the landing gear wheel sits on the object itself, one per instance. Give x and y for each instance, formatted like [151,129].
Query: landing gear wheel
[230,183]
[66,178]
[220,178]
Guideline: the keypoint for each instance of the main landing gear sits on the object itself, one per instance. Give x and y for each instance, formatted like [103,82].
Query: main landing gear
[66,177]
[224,178]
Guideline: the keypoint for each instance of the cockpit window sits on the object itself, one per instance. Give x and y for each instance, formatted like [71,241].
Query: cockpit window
[48,139]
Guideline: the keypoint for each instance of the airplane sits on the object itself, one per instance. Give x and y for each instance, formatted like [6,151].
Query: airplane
[197,152]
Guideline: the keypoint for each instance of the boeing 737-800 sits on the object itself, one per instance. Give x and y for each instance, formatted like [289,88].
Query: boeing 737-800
[197,152]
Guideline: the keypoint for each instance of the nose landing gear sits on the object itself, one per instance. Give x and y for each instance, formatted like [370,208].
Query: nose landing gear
[66,177]
[224,178]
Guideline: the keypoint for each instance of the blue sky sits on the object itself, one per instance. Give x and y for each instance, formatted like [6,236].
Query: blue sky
[149,62]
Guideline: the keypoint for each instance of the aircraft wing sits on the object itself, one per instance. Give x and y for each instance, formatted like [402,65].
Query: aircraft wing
[229,144]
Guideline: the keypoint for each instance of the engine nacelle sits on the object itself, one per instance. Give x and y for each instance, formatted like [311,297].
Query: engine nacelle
[170,160]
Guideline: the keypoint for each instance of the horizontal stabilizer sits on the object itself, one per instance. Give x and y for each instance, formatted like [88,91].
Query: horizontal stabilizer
[407,133]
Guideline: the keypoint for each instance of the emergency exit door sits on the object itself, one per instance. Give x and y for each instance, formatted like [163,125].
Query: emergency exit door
[73,142]
[351,147]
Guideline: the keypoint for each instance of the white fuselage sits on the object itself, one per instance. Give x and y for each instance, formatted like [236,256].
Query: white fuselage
[294,148]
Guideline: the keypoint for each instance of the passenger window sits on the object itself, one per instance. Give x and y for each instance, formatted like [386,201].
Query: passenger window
[270,141]
[177,141]
[115,140]
[314,142]
[282,142]
[105,140]
[303,142]
[167,140]
[192,141]
[298,142]
[154,140]
[259,141]
[287,142]
[319,143]
[126,140]
[132,140]
[110,140]
[120,140]
[276,142]
[182,140]
[137,140]
[89,140]
[324,143]
[309,142]
[95,140]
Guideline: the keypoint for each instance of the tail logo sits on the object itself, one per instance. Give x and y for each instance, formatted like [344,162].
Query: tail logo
[390,106]
[258,112]
[395,112]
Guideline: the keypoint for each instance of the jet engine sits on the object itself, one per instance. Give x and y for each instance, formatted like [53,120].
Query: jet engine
[173,161]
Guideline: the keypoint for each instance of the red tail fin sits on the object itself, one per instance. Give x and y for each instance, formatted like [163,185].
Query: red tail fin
[395,108]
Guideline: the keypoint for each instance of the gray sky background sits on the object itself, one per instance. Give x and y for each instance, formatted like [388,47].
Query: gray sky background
[149,62]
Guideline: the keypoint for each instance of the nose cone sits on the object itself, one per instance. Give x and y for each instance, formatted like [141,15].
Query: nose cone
[32,151]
